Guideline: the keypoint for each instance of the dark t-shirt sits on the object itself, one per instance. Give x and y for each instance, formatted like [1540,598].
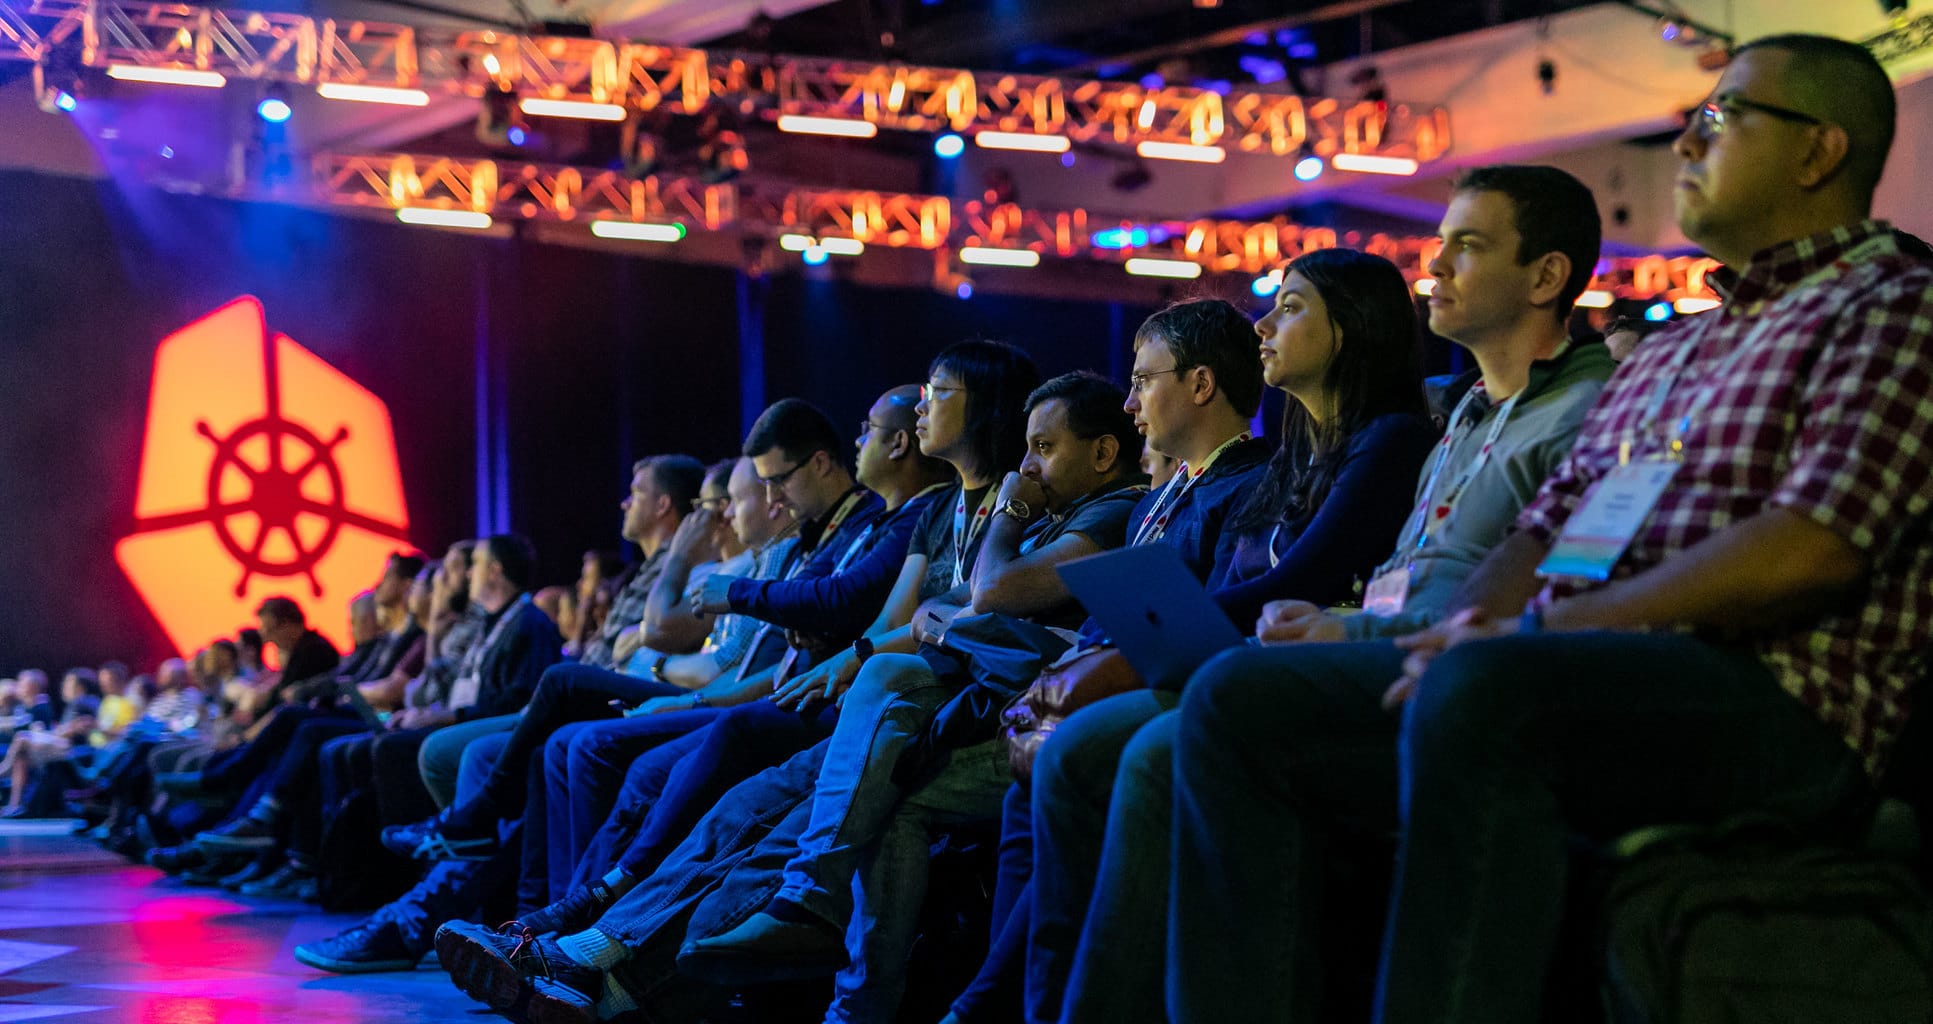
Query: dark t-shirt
[312,657]
[1101,518]
[933,538]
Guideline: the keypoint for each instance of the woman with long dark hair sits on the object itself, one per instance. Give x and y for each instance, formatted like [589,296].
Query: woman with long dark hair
[1341,341]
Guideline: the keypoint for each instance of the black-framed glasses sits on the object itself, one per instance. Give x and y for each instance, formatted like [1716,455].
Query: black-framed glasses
[713,504]
[1710,116]
[1138,382]
[866,428]
[777,480]
[931,392]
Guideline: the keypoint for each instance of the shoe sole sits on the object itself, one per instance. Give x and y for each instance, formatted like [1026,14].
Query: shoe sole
[547,1004]
[334,966]
[233,844]
[478,972]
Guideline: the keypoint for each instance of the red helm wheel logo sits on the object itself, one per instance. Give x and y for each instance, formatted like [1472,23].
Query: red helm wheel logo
[264,471]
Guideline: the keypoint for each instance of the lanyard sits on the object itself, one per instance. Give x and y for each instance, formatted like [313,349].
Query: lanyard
[472,668]
[1430,513]
[964,532]
[1155,523]
[859,543]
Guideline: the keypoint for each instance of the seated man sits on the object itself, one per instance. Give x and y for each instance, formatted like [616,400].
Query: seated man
[1730,560]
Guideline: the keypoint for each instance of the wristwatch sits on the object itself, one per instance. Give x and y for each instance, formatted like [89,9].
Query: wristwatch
[698,701]
[657,668]
[1018,509]
[862,648]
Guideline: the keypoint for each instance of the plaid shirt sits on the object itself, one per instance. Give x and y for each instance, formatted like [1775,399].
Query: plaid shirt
[1816,384]
[627,610]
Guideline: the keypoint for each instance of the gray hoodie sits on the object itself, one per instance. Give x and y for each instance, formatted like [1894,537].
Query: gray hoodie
[1540,433]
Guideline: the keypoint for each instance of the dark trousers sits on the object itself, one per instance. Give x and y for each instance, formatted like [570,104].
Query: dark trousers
[1509,747]
[567,693]
[233,769]
[997,992]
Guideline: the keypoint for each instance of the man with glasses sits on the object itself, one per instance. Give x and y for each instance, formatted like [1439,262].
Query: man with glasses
[1715,605]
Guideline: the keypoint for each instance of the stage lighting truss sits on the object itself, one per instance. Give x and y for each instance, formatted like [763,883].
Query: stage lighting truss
[641,76]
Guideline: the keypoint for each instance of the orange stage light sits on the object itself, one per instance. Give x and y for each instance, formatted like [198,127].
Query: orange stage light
[265,471]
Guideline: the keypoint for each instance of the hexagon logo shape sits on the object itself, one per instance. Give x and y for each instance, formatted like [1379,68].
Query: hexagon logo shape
[264,471]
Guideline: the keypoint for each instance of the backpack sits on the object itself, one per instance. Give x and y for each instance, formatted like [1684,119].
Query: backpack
[1737,927]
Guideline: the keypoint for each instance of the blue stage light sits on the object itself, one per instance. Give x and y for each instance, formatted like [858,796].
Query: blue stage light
[1120,238]
[1264,286]
[814,255]
[949,146]
[274,111]
[65,102]
[1658,312]
[964,289]
[517,136]
[1309,168]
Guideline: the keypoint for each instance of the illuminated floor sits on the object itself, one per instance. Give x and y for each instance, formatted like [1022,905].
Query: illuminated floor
[88,939]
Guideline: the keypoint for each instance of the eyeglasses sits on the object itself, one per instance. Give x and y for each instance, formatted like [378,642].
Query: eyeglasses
[931,392]
[777,480]
[713,504]
[866,427]
[1138,382]
[1709,118]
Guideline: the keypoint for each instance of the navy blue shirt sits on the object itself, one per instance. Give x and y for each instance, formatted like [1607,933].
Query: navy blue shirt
[838,605]
[1320,559]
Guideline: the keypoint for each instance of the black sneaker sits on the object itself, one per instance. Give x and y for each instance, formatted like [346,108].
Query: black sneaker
[176,859]
[243,835]
[579,909]
[434,839]
[525,976]
[213,872]
[288,882]
[368,948]
[251,871]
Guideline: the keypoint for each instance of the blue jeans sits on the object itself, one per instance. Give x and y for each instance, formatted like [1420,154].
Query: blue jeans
[441,757]
[891,701]
[1074,777]
[454,890]
[1509,746]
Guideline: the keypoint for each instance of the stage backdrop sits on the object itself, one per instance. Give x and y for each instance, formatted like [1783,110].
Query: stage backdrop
[520,382]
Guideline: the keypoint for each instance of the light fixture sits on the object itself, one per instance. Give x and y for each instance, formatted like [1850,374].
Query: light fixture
[167,76]
[949,146]
[815,255]
[841,127]
[373,94]
[1426,286]
[1309,168]
[1372,164]
[638,232]
[1119,238]
[573,109]
[1690,305]
[1024,141]
[793,242]
[842,246]
[65,102]
[1266,285]
[991,257]
[274,107]
[1595,299]
[1658,312]
[1182,151]
[1180,269]
[431,217]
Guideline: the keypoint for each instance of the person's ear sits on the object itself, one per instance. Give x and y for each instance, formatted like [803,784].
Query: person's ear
[1202,387]
[1826,157]
[902,446]
[1553,271]
[1107,451]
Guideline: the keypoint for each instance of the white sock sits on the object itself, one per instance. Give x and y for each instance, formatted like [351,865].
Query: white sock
[593,948]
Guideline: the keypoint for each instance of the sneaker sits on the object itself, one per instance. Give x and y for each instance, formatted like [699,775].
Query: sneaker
[372,946]
[212,872]
[525,976]
[176,859]
[243,835]
[579,909]
[433,839]
[251,871]
[287,882]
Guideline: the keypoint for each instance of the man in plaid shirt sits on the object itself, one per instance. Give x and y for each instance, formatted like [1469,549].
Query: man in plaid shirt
[1752,646]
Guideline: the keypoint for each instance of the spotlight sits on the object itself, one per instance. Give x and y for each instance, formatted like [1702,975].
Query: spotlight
[274,107]
[949,146]
[963,289]
[1309,168]
[516,136]
[64,102]
[1658,312]
[1266,285]
[814,255]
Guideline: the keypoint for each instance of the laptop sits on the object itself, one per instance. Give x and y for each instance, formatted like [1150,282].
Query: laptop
[1153,609]
[352,695]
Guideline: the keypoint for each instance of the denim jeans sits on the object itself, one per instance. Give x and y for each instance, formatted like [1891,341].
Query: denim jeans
[441,757]
[891,885]
[891,701]
[1074,776]
[457,890]
[1509,746]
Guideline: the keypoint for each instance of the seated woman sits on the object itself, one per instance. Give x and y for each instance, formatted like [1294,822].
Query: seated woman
[33,749]
[1341,341]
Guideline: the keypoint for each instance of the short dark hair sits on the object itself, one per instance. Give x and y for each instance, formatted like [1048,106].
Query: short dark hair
[90,681]
[517,555]
[1095,408]
[249,639]
[678,477]
[227,647]
[465,547]
[119,668]
[282,609]
[1554,212]
[997,378]
[796,429]
[1214,334]
[720,472]
[1842,83]
[405,564]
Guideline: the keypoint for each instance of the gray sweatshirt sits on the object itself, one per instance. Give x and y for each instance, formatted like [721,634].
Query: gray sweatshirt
[1539,434]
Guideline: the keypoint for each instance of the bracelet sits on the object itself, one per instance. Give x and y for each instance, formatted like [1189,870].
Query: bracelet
[698,701]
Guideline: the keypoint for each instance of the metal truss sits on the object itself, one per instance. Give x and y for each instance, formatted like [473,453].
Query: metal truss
[294,48]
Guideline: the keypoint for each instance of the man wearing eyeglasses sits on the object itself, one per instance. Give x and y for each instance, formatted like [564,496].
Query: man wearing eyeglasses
[1714,606]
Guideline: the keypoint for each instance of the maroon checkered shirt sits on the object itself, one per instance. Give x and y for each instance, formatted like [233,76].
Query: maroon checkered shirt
[1819,373]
